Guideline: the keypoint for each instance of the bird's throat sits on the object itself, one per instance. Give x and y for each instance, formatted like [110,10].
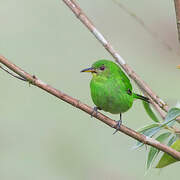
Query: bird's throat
[94,75]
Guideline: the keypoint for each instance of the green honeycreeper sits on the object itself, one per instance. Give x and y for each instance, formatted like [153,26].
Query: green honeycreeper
[111,89]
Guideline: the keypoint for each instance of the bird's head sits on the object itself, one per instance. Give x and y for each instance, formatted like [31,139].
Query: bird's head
[103,68]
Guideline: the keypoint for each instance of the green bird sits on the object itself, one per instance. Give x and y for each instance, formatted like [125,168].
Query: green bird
[111,89]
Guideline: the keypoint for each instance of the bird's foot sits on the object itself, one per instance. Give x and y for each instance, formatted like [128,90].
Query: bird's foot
[95,110]
[118,125]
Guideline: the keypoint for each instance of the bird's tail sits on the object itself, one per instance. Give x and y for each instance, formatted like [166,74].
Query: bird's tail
[137,96]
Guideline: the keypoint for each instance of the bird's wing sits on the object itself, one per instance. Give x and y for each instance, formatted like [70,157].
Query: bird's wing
[126,81]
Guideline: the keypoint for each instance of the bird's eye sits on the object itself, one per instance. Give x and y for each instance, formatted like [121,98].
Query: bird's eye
[102,68]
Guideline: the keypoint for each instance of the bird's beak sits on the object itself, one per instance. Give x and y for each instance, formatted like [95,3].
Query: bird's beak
[91,69]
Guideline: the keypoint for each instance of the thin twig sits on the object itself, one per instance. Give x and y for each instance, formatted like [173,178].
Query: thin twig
[158,103]
[18,77]
[177,9]
[142,85]
[76,103]
[85,20]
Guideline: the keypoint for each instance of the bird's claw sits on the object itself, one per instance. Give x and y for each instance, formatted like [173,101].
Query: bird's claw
[95,110]
[118,125]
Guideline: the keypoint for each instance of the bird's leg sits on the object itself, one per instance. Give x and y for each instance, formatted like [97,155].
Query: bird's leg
[95,110]
[118,125]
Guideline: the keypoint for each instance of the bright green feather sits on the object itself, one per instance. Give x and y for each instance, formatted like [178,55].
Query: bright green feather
[111,89]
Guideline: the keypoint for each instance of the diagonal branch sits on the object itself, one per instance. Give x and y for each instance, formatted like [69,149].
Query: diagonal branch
[76,103]
[85,20]
[158,103]
[177,9]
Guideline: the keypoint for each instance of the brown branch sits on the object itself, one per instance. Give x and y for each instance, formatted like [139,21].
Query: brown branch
[85,20]
[142,85]
[76,103]
[177,9]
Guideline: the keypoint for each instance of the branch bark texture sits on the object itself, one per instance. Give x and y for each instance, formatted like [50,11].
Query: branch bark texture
[87,22]
[161,105]
[76,103]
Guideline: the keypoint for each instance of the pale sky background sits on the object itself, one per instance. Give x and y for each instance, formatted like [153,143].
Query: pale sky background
[44,138]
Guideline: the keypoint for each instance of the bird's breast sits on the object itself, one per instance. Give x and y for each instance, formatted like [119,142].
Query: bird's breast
[109,96]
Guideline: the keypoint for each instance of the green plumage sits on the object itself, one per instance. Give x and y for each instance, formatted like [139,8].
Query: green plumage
[111,89]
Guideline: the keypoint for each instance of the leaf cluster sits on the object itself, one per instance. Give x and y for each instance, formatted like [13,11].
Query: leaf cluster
[163,132]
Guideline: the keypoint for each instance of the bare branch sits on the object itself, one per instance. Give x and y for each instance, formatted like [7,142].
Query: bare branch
[76,103]
[177,9]
[85,20]
[18,77]
[142,85]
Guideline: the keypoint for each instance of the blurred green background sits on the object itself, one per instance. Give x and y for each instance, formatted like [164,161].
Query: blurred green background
[42,137]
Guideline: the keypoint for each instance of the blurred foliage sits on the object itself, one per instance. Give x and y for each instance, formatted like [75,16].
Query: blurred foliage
[166,159]
[169,137]
[150,112]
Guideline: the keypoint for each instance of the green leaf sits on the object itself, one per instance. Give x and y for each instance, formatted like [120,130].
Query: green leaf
[172,114]
[153,152]
[149,131]
[166,159]
[172,140]
[149,111]
[161,138]
[145,128]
